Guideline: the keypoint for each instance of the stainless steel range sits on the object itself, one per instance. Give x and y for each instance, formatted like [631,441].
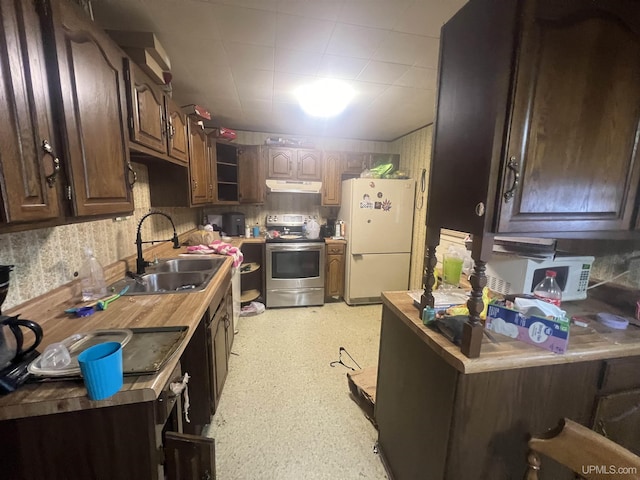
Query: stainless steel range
[295,263]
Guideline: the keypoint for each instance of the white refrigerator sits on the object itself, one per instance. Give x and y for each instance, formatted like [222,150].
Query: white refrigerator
[378,216]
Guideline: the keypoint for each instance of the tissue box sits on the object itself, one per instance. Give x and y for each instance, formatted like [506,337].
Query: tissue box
[550,334]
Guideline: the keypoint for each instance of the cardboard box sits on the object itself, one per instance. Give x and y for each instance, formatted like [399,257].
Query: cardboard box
[550,334]
[142,40]
[147,63]
[362,384]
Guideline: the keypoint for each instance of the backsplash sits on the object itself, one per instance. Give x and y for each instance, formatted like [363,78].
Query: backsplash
[46,258]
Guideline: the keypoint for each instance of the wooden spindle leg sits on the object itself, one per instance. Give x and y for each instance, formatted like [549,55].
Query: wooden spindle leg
[430,261]
[472,329]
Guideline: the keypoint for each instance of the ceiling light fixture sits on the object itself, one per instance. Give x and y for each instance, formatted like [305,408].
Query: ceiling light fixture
[324,98]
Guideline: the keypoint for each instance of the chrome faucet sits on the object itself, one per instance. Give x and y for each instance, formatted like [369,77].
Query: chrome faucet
[141,263]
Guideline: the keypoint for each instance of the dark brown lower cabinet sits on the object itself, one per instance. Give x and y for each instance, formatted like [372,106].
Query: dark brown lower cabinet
[189,457]
[123,441]
[435,422]
[220,337]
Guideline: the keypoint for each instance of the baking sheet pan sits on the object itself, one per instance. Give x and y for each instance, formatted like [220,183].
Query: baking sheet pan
[146,352]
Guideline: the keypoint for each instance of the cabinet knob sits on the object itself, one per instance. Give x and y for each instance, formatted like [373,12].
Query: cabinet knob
[480,209]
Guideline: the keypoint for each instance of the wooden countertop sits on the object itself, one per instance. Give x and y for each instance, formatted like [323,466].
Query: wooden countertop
[178,309]
[595,342]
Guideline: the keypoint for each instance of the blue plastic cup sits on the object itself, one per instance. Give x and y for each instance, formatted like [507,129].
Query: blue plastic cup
[101,367]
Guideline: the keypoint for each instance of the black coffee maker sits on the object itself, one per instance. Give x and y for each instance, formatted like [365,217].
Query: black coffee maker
[14,356]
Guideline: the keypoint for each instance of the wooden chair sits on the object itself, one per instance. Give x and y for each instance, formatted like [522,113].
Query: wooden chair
[585,452]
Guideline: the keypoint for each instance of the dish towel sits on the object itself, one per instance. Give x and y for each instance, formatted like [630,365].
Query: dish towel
[222,248]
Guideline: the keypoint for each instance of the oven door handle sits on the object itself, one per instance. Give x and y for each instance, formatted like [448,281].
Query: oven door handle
[294,248]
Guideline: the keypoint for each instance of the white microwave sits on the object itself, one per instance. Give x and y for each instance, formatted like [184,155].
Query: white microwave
[508,274]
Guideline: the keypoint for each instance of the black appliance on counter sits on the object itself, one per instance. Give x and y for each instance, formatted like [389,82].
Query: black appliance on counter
[233,224]
[15,357]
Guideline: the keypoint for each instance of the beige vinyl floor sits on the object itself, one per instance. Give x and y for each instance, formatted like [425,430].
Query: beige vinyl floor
[285,414]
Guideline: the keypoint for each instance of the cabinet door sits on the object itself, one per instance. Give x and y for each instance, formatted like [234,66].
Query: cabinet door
[617,418]
[29,189]
[575,120]
[220,352]
[93,102]
[280,162]
[177,131]
[334,286]
[356,162]
[251,175]
[332,166]
[195,362]
[146,110]
[309,165]
[189,457]
[228,322]
[199,167]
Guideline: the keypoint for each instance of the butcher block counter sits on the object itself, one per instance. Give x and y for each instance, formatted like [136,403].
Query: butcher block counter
[52,430]
[136,311]
[595,342]
[441,415]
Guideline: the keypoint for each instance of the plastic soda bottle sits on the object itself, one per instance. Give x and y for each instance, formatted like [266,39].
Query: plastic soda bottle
[548,289]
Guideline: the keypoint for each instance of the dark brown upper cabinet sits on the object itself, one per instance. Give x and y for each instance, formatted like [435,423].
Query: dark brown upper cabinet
[251,175]
[28,159]
[294,163]
[333,165]
[538,118]
[155,120]
[86,68]
[200,169]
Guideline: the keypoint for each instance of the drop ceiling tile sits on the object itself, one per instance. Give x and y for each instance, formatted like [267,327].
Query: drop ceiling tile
[416,77]
[428,52]
[254,84]
[427,18]
[399,47]
[334,66]
[355,41]
[372,13]
[366,92]
[246,25]
[297,61]
[382,72]
[299,33]
[323,9]
[244,56]
[268,5]
[285,84]
[254,106]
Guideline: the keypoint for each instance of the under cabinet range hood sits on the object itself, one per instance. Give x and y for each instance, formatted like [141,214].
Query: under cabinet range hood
[293,186]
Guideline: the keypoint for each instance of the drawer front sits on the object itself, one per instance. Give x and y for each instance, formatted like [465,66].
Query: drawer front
[335,249]
[167,399]
[620,374]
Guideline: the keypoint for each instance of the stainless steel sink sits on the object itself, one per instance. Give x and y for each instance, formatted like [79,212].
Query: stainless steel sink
[170,282]
[187,265]
[175,275]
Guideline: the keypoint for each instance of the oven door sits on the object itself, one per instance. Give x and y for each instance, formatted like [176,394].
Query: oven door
[295,274]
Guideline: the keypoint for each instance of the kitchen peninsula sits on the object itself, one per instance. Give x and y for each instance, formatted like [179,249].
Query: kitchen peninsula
[52,430]
[443,415]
